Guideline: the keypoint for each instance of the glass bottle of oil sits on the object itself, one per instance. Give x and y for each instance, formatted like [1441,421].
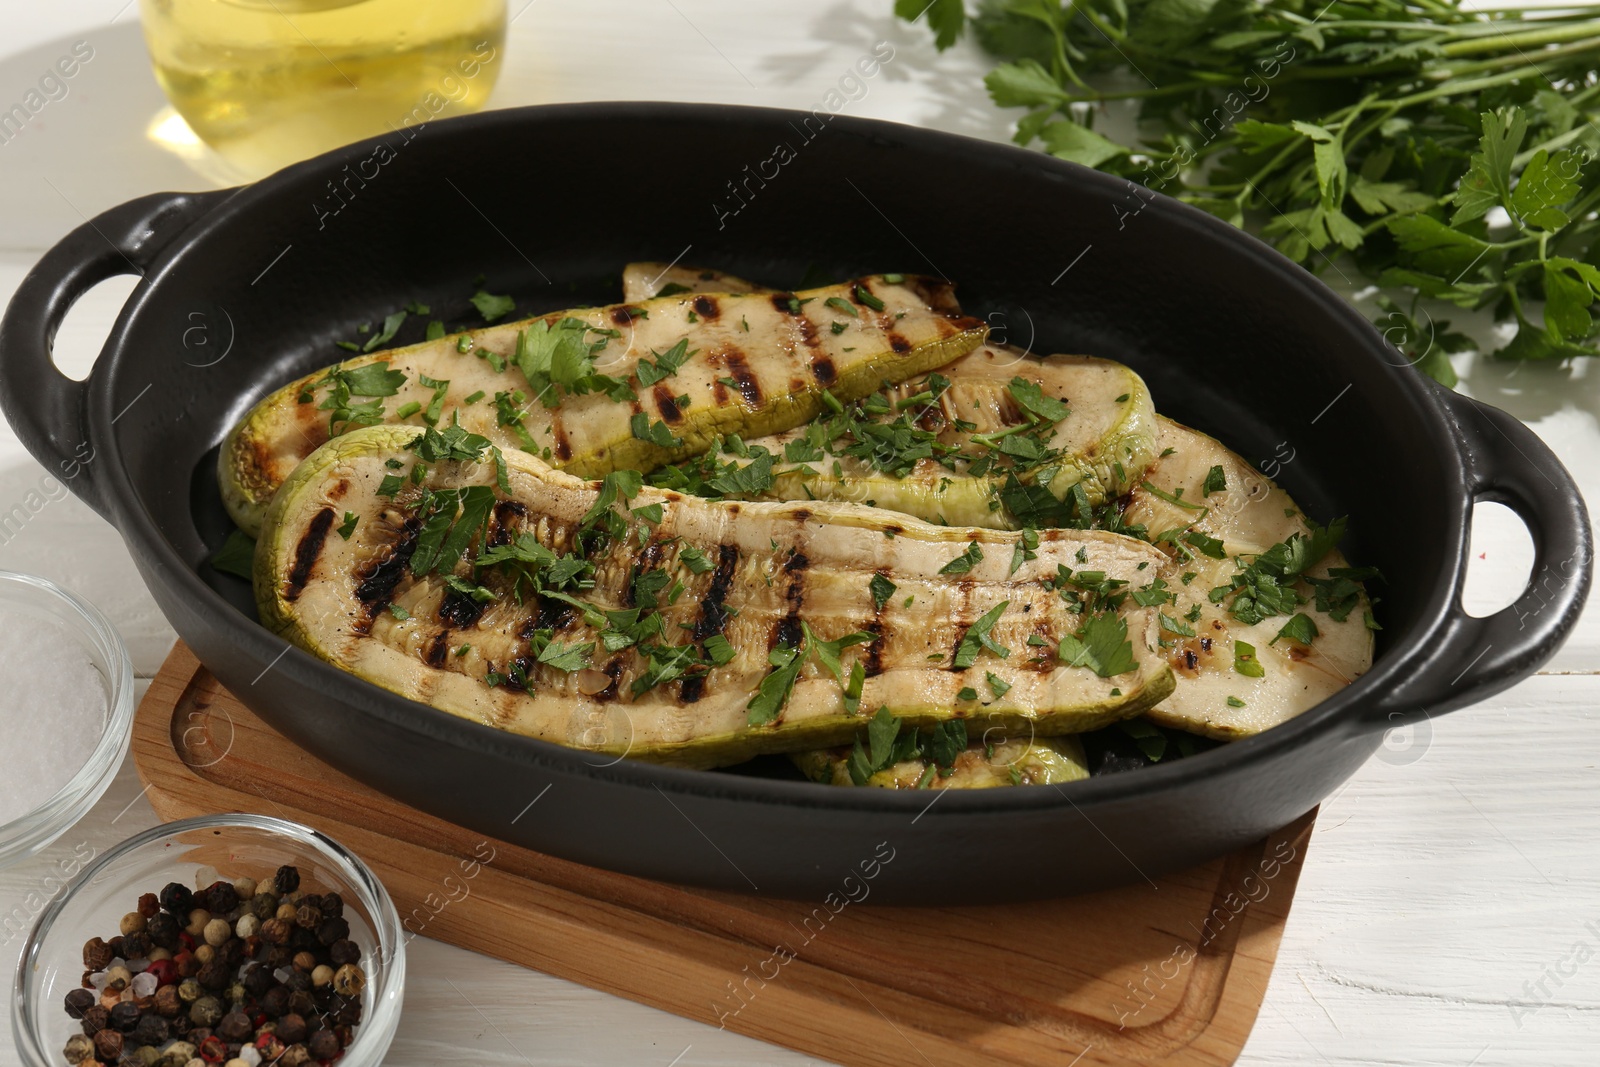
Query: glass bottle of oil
[270,82]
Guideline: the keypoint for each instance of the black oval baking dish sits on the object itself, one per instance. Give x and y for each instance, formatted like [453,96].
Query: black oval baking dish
[549,202]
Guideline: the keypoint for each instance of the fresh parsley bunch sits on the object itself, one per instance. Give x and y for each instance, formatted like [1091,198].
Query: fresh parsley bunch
[1450,153]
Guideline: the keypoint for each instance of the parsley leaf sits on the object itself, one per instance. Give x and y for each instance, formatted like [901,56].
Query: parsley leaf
[1101,645]
[492,307]
[964,563]
[977,637]
[1245,662]
[882,589]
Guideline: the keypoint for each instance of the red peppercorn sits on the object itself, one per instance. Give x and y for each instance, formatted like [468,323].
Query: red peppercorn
[149,904]
[186,940]
[165,972]
[212,1050]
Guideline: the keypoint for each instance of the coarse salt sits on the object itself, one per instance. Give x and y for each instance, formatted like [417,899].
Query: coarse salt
[53,707]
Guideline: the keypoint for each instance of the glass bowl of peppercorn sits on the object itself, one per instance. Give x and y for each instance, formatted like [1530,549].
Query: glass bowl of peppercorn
[221,940]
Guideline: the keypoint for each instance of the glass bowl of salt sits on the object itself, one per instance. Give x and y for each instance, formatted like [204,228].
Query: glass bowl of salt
[66,708]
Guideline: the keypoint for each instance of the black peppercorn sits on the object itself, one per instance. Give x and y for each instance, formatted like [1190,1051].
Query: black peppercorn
[232,952]
[115,945]
[345,951]
[333,930]
[302,939]
[324,1045]
[178,899]
[275,1001]
[300,1002]
[95,1020]
[221,898]
[80,1001]
[152,1030]
[279,956]
[258,979]
[332,905]
[348,1011]
[136,946]
[97,955]
[214,975]
[162,930]
[291,1029]
[307,916]
[181,1026]
[235,1026]
[298,981]
[287,880]
[124,1017]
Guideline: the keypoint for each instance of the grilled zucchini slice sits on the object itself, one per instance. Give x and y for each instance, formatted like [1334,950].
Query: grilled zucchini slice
[748,364]
[338,569]
[981,765]
[644,281]
[1249,515]
[1102,447]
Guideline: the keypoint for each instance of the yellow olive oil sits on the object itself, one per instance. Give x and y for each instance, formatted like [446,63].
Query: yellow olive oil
[270,82]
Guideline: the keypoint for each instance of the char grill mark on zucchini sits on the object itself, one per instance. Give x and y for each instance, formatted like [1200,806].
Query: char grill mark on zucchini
[586,391]
[814,582]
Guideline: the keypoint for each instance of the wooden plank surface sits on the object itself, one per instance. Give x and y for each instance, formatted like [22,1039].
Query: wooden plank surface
[1142,975]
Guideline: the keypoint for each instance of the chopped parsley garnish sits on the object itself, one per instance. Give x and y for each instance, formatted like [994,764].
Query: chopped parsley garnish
[1235,702]
[1245,662]
[1025,549]
[656,433]
[493,307]
[236,556]
[839,303]
[864,296]
[977,637]
[399,612]
[787,661]
[692,557]
[1300,627]
[344,383]
[997,685]
[964,563]
[1266,587]
[666,364]
[1101,644]
[1216,481]
[882,589]
[1032,400]
[391,326]
[348,527]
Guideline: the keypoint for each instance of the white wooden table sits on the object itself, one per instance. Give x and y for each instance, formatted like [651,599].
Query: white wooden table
[1451,897]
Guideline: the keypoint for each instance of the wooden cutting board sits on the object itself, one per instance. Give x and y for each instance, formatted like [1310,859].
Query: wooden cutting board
[1171,973]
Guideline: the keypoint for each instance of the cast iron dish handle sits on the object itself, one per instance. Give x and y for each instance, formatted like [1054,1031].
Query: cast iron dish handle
[1506,463]
[46,407]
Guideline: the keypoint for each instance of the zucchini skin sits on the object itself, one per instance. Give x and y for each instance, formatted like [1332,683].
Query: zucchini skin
[312,596]
[776,348]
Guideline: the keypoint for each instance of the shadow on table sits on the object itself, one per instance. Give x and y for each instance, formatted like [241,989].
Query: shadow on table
[948,83]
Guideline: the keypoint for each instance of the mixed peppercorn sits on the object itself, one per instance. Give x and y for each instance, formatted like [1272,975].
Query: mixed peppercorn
[237,973]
